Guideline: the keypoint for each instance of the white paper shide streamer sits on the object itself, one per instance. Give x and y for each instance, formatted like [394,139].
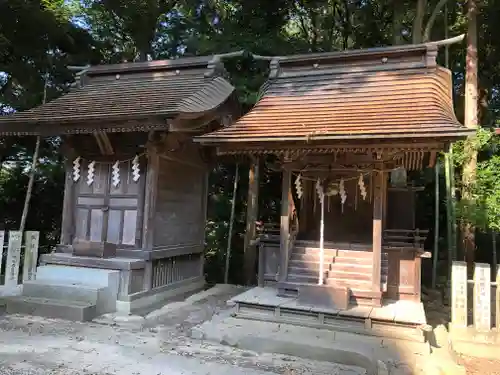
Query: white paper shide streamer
[298,187]
[90,173]
[115,176]
[136,171]
[343,193]
[362,187]
[76,169]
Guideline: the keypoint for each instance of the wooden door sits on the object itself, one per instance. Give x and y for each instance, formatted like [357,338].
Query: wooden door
[123,216]
[106,211]
[91,204]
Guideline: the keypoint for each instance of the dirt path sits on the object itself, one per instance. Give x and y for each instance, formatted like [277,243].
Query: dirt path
[479,366]
[158,345]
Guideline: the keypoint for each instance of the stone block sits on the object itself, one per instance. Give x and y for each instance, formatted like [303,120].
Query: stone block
[69,292]
[67,275]
[75,311]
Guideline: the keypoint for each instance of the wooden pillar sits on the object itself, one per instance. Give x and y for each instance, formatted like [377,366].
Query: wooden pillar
[252,211]
[304,207]
[206,188]
[151,191]
[285,223]
[378,212]
[68,206]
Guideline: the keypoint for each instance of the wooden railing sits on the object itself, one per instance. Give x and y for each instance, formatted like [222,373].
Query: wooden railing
[272,232]
[413,238]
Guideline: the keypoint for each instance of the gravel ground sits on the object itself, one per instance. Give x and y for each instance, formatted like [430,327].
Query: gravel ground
[157,345]
[479,366]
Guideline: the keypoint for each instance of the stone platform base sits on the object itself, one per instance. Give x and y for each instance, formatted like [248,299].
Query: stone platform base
[400,320]
[81,293]
[376,355]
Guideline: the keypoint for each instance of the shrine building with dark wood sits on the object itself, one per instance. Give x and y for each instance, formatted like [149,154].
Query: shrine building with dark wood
[135,195]
[344,130]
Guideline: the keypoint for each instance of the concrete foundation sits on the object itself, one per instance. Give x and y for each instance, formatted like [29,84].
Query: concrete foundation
[82,293]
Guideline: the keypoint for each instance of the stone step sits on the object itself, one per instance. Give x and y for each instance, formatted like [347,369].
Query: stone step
[52,289]
[52,308]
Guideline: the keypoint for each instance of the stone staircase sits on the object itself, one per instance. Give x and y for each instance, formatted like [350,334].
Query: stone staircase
[70,293]
[351,267]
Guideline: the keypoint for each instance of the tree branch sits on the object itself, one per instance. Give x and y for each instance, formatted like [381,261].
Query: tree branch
[432,19]
[419,21]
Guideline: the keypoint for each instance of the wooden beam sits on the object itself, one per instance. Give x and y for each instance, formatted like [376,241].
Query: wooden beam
[100,144]
[106,143]
[285,224]
[68,205]
[151,192]
[252,211]
[432,159]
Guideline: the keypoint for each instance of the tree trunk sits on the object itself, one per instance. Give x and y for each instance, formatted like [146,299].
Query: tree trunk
[449,214]
[397,22]
[436,225]
[231,224]
[250,250]
[31,180]
[418,22]
[471,122]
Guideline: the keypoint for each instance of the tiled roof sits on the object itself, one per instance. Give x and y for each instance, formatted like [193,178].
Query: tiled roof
[159,89]
[379,93]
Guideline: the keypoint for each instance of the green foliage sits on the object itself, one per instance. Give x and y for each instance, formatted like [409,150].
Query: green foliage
[483,210]
[42,37]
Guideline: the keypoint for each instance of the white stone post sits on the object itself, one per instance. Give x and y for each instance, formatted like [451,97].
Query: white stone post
[459,294]
[13,259]
[30,255]
[482,297]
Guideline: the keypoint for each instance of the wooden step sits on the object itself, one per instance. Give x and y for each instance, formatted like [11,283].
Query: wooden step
[311,258]
[341,274]
[308,265]
[359,268]
[334,245]
[313,250]
[304,279]
[357,261]
[306,272]
[355,285]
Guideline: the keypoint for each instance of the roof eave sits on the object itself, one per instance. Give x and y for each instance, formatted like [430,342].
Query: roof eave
[215,140]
